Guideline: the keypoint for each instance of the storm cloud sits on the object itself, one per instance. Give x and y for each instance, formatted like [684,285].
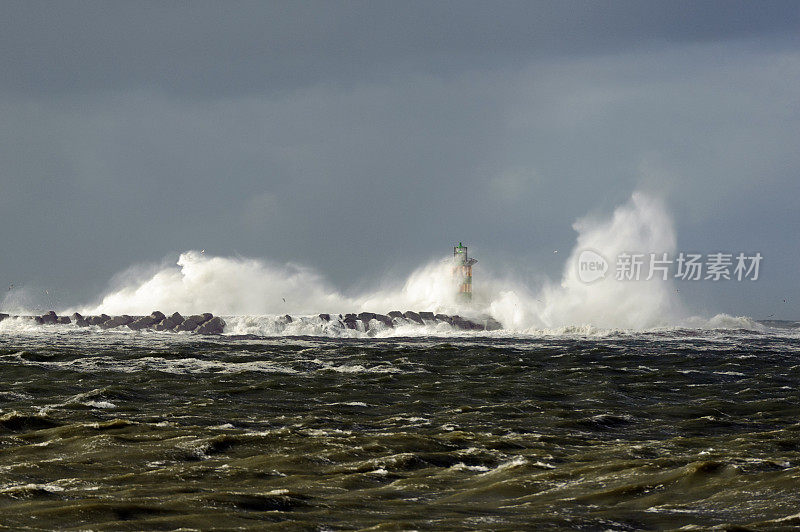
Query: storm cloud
[363,138]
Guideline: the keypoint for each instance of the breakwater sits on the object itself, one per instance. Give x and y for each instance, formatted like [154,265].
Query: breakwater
[207,323]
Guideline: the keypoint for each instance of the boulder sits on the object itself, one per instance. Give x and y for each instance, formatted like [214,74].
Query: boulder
[460,323]
[443,317]
[325,317]
[63,320]
[287,319]
[49,318]
[79,320]
[426,315]
[465,325]
[117,321]
[366,316]
[213,326]
[386,320]
[38,320]
[192,322]
[492,324]
[143,322]
[158,316]
[98,320]
[3,316]
[169,323]
[350,321]
[395,314]
[413,316]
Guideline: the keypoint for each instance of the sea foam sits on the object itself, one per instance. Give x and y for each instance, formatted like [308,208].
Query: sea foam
[258,290]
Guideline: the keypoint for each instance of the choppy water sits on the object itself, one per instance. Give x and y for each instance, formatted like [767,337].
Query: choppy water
[623,431]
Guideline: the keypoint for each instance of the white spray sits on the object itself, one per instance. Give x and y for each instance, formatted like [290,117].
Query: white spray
[639,227]
[237,286]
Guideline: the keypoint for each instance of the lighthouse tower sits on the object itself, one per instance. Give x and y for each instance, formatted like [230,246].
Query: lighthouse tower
[462,271]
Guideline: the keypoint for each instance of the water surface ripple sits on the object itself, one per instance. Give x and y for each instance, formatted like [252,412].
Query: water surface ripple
[624,431]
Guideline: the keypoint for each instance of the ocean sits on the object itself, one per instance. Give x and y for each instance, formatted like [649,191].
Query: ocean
[667,428]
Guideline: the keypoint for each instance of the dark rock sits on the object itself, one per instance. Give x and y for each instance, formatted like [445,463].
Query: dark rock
[158,316]
[213,326]
[3,316]
[79,320]
[49,318]
[63,320]
[459,322]
[98,320]
[426,315]
[366,316]
[164,325]
[325,317]
[413,316]
[169,323]
[191,323]
[350,321]
[117,321]
[207,316]
[395,314]
[443,317]
[38,320]
[386,320]
[492,324]
[142,323]
[287,319]
[465,325]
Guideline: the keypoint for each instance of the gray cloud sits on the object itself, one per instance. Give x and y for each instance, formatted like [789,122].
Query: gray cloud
[224,48]
[363,138]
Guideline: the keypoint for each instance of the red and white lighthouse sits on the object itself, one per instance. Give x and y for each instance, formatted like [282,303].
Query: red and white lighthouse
[462,271]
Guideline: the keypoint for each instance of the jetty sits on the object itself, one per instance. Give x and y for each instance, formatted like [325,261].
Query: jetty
[207,323]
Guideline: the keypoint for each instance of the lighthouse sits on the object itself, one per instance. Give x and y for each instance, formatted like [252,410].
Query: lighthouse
[462,271]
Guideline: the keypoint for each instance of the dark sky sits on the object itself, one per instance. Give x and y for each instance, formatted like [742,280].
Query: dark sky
[364,138]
